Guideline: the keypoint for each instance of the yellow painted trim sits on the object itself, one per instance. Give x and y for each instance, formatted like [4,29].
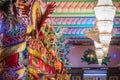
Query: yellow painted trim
[21,72]
[34,52]
[36,6]
[33,72]
[5,52]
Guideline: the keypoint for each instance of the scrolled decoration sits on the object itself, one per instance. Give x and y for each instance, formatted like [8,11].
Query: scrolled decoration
[14,32]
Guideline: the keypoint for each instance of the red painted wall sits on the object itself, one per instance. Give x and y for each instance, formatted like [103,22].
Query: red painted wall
[76,53]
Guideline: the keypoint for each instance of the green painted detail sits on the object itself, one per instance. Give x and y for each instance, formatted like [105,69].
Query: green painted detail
[80,25]
[89,56]
[78,13]
[117,12]
[74,25]
[74,35]
[75,0]
[73,13]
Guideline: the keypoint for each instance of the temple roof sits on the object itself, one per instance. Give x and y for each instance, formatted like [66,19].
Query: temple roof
[78,15]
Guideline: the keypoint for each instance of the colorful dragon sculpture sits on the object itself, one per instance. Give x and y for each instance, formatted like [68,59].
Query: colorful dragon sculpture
[42,41]
[14,33]
[38,35]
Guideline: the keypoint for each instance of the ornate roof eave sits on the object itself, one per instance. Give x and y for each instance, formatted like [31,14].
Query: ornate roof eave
[83,35]
[76,9]
[74,0]
[78,22]
[76,14]
[87,42]
[79,25]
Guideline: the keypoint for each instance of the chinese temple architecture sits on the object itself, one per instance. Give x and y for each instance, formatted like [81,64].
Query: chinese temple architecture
[59,39]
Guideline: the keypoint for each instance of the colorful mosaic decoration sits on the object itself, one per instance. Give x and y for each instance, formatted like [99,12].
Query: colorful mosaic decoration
[27,44]
[35,36]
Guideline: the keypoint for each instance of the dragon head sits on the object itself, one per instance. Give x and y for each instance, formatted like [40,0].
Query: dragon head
[51,38]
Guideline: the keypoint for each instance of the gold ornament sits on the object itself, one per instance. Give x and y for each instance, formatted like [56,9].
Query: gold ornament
[57,64]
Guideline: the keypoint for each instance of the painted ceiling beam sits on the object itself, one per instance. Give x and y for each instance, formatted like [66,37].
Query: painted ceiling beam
[82,35]
[74,25]
[72,14]
[80,25]
[88,39]
[77,8]
[83,22]
[68,9]
[75,14]
[74,0]
[79,32]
